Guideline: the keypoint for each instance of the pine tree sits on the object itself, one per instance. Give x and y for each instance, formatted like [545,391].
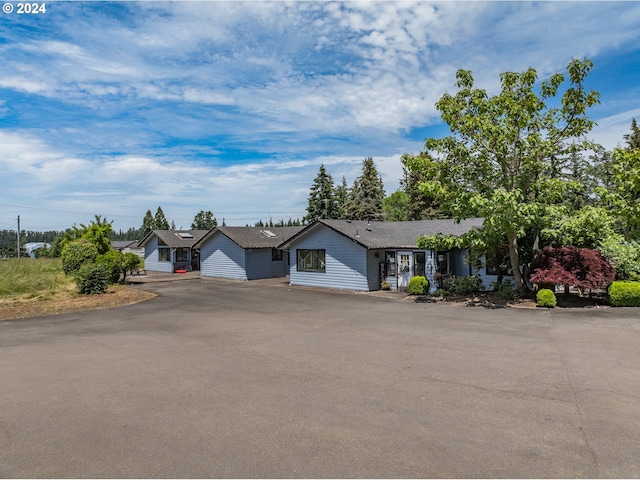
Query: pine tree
[419,206]
[160,221]
[342,195]
[322,200]
[633,138]
[366,195]
[148,223]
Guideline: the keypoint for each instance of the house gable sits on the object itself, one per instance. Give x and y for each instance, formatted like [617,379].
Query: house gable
[345,261]
[222,257]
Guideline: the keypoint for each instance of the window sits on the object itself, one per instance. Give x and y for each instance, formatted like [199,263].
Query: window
[390,263]
[182,254]
[311,260]
[164,254]
[184,235]
[276,255]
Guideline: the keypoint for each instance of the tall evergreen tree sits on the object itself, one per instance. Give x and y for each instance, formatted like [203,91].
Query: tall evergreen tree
[322,200]
[419,205]
[160,221]
[366,195]
[633,138]
[342,195]
[148,223]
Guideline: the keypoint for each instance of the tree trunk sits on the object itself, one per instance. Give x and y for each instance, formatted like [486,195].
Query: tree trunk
[515,262]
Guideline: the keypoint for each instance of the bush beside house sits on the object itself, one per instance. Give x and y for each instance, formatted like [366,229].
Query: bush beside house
[546,298]
[624,294]
[418,285]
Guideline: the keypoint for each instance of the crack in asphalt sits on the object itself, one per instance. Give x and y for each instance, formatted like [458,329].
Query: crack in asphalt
[583,433]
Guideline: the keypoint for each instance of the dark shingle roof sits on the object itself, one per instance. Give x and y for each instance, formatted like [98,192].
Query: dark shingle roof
[120,244]
[253,237]
[171,238]
[374,235]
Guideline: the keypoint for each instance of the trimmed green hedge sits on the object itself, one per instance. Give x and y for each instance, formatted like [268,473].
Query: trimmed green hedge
[546,298]
[418,285]
[624,294]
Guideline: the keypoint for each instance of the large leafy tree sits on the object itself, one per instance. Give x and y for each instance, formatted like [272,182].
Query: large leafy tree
[366,195]
[396,207]
[499,162]
[623,194]
[204,220]
[99,233]
[322,198]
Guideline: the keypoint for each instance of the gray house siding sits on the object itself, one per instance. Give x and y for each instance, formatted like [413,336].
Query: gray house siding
[151,261]
[221,257]
[346,262]
[279,268]
[260,264]
[374,277]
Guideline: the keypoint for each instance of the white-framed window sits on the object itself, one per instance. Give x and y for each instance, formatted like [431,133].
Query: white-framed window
[311,260]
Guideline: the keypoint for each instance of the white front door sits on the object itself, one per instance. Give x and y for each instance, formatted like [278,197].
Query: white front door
[405,269]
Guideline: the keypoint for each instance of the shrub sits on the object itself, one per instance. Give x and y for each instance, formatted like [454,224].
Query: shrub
[624,294]
[385,286]
[93,278]
[114,262]
[130,262]
[418,285]
[440,292]
[465,285]
[579,267]
[505,289]
[77,253]
[624,256]
[546,298]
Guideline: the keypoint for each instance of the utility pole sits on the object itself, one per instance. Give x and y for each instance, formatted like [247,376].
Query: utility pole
[18,236]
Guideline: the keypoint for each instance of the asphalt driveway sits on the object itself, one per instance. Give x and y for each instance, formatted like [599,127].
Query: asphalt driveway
[256,379]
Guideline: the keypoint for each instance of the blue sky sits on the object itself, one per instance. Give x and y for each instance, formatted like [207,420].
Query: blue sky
[114,108]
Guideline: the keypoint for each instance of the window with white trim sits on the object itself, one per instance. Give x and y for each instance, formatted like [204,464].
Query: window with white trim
[311,260]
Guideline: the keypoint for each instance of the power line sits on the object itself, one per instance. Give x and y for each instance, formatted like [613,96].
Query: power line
[65,211]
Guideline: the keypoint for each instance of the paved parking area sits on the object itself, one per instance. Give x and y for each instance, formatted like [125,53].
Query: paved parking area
[257,379]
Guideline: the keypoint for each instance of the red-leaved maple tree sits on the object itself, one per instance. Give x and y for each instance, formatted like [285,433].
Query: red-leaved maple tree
[578,267]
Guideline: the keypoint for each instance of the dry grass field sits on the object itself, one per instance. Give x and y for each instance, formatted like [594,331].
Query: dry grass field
[33,287]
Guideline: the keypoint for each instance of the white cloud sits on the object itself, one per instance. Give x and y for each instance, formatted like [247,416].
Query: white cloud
[233,106]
